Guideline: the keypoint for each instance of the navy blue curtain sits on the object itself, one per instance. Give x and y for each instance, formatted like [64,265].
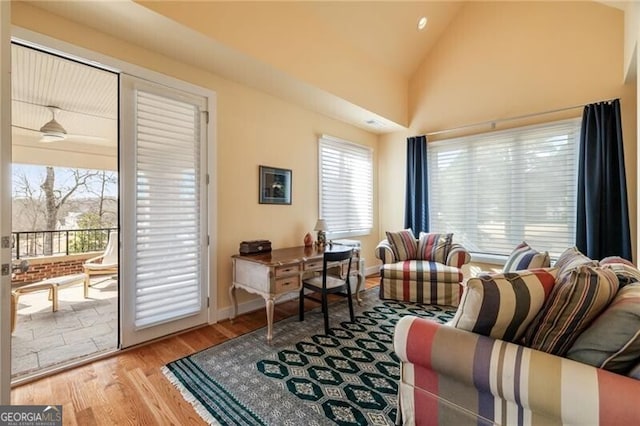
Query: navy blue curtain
[603,214]
[416,212]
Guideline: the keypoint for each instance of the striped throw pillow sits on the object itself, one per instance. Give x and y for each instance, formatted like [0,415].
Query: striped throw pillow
[612,342]
[502,305]
[525,257]
[434,247]
[572,306]
[570,259]
[615,260]
[627,274]
[404,244]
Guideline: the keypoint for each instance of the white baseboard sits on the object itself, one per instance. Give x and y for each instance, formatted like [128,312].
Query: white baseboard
[372,270]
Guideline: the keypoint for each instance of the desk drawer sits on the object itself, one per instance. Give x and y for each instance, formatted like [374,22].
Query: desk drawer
[313,265]
[284,270]
[287,284]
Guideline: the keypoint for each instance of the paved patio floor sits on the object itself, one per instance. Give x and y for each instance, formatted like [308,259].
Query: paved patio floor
[81,327]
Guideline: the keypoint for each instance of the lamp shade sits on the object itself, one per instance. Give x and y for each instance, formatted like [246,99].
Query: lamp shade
[321,225]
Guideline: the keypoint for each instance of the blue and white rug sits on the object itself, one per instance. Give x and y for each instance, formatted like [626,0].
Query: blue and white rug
[304,377]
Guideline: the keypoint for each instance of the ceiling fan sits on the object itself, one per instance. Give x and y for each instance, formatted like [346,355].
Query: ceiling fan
[52,131]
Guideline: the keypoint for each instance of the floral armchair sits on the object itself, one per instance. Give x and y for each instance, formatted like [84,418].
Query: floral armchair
[424,270]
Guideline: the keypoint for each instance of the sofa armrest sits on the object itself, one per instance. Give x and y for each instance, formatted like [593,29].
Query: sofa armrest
[458,256]
[384,252]
[493,378]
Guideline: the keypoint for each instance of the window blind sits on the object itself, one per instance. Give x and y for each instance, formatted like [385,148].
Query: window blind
[346,187]
[498,189]
[167,209]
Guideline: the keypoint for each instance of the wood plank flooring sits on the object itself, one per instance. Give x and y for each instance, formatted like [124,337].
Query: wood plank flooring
[129,388]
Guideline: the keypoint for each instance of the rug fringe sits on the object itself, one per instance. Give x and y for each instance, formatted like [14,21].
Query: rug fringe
[197,405]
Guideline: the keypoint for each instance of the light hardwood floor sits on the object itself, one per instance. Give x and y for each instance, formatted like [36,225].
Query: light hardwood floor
[129,388]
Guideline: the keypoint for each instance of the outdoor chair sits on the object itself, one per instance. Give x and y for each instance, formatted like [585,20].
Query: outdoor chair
[329,282]
[53,284]
[105,264]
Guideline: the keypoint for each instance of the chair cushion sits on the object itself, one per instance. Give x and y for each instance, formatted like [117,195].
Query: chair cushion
[434,247]
[404,244]
[612,342]
[572,306]
[100,266]
[332,282]
[502,305]
[421,281]
[421,270]
[525,257]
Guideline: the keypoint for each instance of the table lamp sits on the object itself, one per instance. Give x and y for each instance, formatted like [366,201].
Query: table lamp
[321,227]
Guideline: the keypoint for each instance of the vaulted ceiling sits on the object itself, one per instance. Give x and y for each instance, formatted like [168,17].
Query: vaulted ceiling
[382,33]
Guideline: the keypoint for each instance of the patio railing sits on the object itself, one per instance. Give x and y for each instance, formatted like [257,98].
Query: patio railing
[67,241]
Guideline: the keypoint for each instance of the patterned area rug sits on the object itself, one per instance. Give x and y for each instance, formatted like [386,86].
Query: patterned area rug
[304,377]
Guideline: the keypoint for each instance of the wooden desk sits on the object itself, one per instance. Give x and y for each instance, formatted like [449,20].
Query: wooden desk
[278,272]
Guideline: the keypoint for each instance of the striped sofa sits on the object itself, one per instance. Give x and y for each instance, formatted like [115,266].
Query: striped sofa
[454,377]
[422,281]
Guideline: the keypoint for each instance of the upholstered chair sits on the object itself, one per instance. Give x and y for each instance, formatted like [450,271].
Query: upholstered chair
[430,274]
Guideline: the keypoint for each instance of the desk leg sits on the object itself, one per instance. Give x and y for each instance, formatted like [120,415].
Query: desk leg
[270,302]
[234,301]
[359,288]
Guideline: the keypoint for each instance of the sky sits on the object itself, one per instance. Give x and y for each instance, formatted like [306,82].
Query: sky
[64,178]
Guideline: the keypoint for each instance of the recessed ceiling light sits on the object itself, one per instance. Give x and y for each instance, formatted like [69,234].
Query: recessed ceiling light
[422,23]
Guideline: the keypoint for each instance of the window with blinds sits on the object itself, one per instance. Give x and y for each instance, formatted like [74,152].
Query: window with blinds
[346,187]
[167,224]
[498,189]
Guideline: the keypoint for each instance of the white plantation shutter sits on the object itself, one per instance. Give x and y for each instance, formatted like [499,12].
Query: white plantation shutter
[164,273]
[167,209]
[346,187]
[497,189]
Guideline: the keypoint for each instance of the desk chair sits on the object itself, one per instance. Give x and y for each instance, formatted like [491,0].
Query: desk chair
[329,282]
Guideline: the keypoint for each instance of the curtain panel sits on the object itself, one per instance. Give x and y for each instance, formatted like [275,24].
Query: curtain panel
[416,215]
[602,225]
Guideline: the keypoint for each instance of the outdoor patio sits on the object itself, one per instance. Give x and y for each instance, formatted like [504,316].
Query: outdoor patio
[81,327]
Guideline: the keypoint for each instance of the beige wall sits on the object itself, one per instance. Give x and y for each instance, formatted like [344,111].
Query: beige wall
[252,129]
[500,60]
[631,32]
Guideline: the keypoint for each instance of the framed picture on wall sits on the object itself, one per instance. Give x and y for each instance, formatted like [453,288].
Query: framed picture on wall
[275,185]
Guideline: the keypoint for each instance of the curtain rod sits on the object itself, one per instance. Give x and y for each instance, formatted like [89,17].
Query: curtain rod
[492,123]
